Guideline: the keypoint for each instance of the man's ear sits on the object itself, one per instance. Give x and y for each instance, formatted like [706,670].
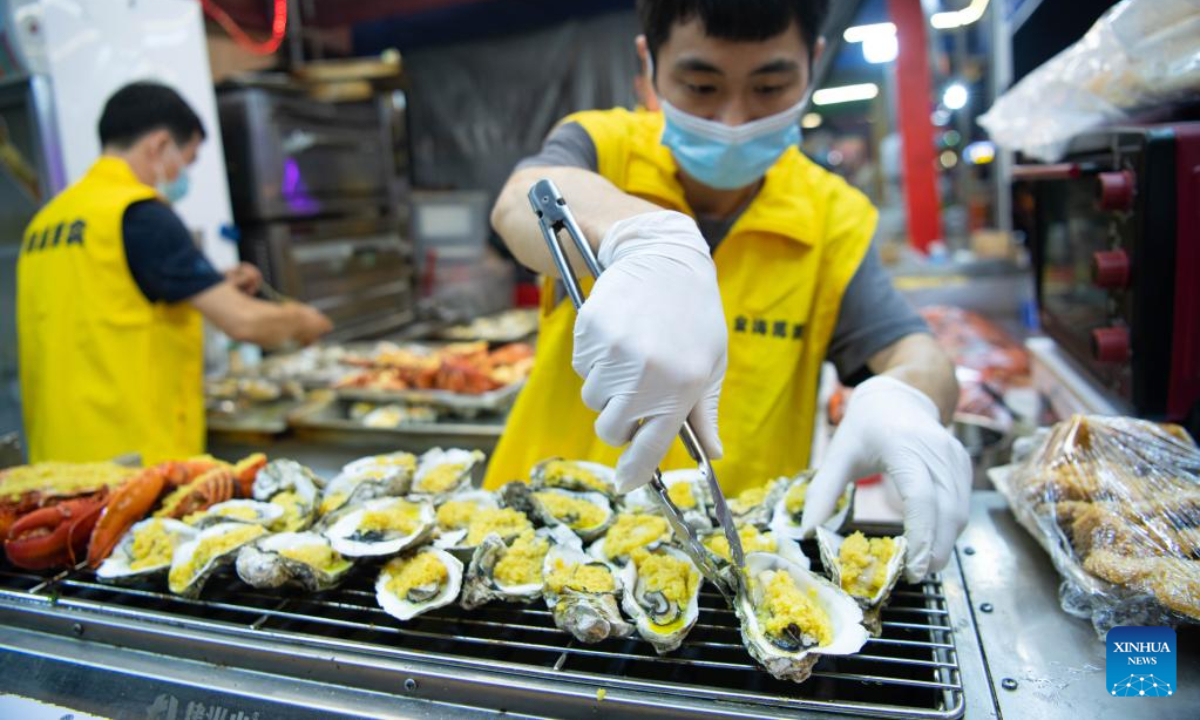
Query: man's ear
[818,51]
[643,51]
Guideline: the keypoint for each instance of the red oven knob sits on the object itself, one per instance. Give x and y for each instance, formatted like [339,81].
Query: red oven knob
[1110,269]
[1111,344]
[1116,190]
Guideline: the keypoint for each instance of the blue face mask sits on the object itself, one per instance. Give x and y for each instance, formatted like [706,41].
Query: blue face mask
[174,190]
[728,157]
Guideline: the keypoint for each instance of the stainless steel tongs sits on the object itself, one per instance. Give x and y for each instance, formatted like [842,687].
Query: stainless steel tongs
[554,216]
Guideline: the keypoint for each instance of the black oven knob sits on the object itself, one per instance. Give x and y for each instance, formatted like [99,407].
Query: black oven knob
[1110,269]
[1116,190]
[1110,344]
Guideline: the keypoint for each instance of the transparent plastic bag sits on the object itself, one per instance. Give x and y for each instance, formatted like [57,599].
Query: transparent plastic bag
[1139,55]
[1116,503]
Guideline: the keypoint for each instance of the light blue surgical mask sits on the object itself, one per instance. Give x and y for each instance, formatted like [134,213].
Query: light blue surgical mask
[174,190]
[727,157]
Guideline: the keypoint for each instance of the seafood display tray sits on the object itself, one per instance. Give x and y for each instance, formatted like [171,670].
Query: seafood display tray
[509,656]
[463,404]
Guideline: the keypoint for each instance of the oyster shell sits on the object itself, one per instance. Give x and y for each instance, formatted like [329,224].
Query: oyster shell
[859,580]
[789,508]
[688,490]
[511,571]
[443,472]
[662,596]
[582,593]
[753,540]
[574,475]
[790,617]
[305,559]
[361,481]
[754,506]
[561,507]
[194,561]
[418,582]
[245,511]
[631,531]
[145,549]
[454,515]
[293,488]
[384,526]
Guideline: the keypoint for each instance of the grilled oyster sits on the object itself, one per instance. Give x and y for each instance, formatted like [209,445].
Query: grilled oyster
[145,549]
[358,482]
[790,617]
[574,475]
[866,568]
[247,511]
[755,505]
[384,526]
[689,492]
[305,559]
[588,514]
[581,593]
[661,595]
[294,489]
[511,571]
[418,582]
[195,560]
[630,532]
[454,515]
[789,508]
[753,540]
[443,472]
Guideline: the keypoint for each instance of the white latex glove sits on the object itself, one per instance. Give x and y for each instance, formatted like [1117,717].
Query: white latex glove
[893,428]
[650,341]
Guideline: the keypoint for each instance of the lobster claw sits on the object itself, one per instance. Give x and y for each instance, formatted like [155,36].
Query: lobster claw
[53,536]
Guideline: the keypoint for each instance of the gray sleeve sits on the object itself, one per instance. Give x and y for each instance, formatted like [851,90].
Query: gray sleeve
[567,145]
[873,315]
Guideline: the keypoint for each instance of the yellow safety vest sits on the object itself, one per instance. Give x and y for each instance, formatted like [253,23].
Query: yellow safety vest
[104,371]
[782,271]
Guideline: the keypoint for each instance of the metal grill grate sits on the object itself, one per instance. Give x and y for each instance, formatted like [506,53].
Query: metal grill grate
[911,671]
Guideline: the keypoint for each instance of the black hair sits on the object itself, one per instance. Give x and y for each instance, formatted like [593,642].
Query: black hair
[143,107]
[733,19]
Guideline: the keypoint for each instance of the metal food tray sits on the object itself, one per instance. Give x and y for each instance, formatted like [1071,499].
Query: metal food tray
[510,657]
[327,422]
[460,403]
[266,418]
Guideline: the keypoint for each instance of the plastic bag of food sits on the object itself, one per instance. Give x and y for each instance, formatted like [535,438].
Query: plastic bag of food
[1116,503]
[1139,55]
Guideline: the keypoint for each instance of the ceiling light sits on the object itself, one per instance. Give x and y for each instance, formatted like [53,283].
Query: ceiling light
[955,97]
[861,33]
[811,121]
[959,18]
[845,93]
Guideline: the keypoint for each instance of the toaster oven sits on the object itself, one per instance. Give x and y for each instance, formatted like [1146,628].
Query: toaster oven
[1116,246]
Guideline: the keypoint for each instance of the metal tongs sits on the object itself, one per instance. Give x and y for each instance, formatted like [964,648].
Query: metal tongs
[554,216]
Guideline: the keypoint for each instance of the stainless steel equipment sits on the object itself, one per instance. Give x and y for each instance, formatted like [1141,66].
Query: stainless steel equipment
[499,657]
[319,205]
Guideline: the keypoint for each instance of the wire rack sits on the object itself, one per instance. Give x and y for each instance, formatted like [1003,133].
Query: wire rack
[912,670]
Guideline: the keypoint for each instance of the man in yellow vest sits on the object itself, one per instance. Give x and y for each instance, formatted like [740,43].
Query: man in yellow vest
[734,267]
[111,290]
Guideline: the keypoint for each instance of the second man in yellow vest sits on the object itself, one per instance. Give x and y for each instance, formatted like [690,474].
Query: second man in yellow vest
[734,267]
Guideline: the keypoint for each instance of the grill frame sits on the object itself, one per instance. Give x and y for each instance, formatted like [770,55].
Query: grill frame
[68,601]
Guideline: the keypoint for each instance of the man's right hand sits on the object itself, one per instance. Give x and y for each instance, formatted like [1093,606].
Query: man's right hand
[311,323]
[651,341]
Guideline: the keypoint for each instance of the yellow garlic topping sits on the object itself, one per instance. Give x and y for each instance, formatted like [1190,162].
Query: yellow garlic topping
[317,555]
[209,548]
[402,517]
[593,578]
[456,514]
[752,541]
[153,546]
[61,478]
[504,522]
[295,514]
[419,571]
[748,499]
[632,531]
[560,473]
[681,494]
[794,500]
[583,513]
[441,478]
[332,502]
[405,461]
[785,605]
[521,564]
[660,572]
[863,563]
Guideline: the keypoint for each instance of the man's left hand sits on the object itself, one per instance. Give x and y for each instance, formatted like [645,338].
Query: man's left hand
[894,428]
[245,277]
